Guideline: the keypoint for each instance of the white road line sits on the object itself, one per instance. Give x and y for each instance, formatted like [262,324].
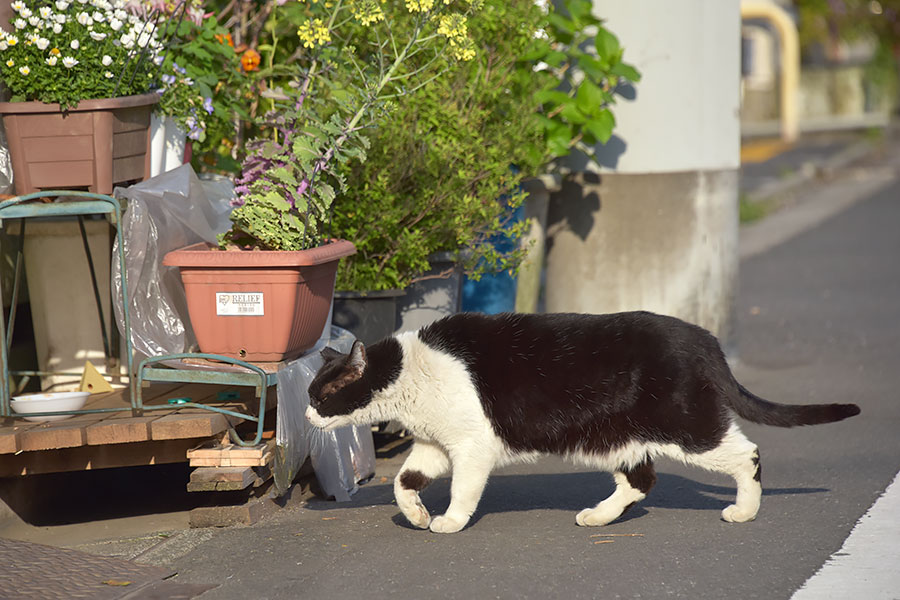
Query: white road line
[868,564]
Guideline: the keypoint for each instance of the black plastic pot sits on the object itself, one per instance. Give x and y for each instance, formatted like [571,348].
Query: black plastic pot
[370,316]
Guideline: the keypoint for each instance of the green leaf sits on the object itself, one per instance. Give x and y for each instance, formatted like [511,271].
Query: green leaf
[589,97]
[573,114]
[555,58]
[554,97]
[607,45]
[601,126]
[627,71]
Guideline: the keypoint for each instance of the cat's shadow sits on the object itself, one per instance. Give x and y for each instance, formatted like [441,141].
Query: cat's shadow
[560,491]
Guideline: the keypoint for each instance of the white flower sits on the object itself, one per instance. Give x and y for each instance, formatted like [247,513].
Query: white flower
[35,21]
[98,16]
[143,40]
[106,60]
[10,63]
[33,38]
[108,75]
[84,19]
[69,62]
[74,45]
[3,45]
[57,28]
[120,14]
[20,24]
[42,43]
[17,5]
[115,24]
[45,12]
[61,19]
[97,36]
[127,40]
[82,1]
[24,70]
[25,13]
[62,4]
[51,61]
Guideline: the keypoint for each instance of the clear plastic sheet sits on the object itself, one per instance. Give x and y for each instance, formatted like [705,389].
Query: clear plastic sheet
[164,213]
[342,458]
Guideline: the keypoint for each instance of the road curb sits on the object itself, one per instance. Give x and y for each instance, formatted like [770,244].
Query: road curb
[774,189]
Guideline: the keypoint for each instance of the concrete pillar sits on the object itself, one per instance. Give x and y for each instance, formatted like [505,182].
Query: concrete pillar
[655,226]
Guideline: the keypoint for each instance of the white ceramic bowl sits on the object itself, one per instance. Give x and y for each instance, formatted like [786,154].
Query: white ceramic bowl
[48,402]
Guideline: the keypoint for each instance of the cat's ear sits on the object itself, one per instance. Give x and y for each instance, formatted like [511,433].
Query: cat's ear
[330,354]
[357,358]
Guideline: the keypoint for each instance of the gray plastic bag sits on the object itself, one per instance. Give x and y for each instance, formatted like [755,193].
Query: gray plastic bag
[342,458]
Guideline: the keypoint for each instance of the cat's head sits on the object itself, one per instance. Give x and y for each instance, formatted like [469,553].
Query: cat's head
[338,388]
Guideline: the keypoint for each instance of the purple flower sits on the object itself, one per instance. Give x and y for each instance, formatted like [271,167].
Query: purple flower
[208,105]
[178,69]
[168,79]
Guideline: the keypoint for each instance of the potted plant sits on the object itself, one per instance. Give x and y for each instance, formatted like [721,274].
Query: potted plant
[80,82]
[354,60]
[200,83]
[469,140]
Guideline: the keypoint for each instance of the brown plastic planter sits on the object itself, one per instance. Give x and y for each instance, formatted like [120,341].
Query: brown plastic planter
[98,144]
[259,306]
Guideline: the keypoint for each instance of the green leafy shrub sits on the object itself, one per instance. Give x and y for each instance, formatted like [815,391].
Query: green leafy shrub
[443,172]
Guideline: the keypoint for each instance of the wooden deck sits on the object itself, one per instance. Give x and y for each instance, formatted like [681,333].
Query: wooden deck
[117,439]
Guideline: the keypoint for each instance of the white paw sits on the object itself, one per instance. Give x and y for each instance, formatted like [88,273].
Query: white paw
[733,514]
[445,524]
[416,513]
[594,517]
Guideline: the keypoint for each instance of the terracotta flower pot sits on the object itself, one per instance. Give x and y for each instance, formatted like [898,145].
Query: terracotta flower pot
[259,306]
[95,145]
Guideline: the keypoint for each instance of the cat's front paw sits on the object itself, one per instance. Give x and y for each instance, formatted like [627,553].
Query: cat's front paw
[447,524]
[415,512]
[596,517]
[733,514]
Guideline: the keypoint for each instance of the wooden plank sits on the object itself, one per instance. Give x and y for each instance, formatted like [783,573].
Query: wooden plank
[237,478]
[86,458]
[9,436]
[188,423]
[120,429]
[58,434]
[213,449]
[233,462]
[220,479]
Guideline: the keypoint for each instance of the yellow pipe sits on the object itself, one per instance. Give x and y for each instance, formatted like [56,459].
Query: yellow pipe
[790,59]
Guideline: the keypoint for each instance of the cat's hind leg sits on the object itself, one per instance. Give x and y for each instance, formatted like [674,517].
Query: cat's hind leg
[632,486]
[426,462]
[739,457]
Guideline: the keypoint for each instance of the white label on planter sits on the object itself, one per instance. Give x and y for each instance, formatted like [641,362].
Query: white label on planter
[239,304]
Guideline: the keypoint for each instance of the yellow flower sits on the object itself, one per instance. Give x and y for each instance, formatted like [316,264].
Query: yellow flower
[453,27]
[12,40]
[419,5]
[10,63]
[54,52]
[366,11]
[314,33]
[24,70]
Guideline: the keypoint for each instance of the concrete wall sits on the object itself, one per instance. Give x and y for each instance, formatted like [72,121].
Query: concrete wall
[655,227]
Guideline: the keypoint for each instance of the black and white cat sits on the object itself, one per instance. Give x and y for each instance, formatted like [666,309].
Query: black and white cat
[610,391]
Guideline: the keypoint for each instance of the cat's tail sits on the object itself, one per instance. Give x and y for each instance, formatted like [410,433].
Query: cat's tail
[753,408]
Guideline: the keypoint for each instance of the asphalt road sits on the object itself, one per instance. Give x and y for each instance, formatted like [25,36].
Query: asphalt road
[819,321]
